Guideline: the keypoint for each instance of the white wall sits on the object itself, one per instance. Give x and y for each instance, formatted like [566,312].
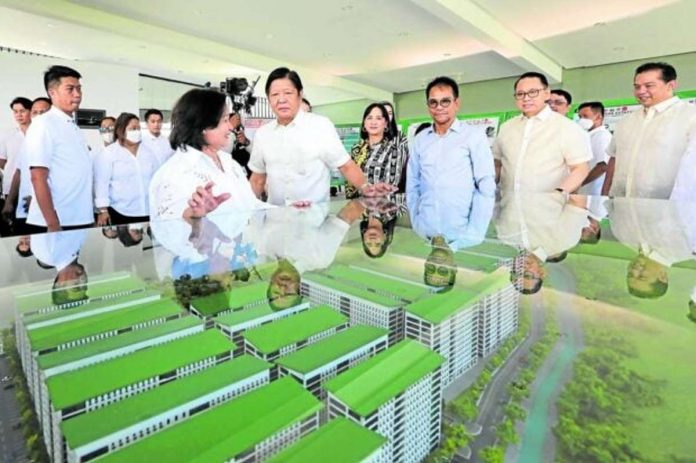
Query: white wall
[105,86]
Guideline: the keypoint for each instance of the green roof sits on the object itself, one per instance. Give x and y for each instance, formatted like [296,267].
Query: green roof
[272,336]
[344,440]
[392,286]
[220,433]
[441,306]
[225,300]
[74,387]
[102,422]
[322,352]
[55,335]
[369,385]
[83,310]
[75,353]
[241,316]
[95,289]
[365,294]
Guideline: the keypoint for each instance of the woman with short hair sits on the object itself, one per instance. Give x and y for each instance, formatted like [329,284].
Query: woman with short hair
[200,178]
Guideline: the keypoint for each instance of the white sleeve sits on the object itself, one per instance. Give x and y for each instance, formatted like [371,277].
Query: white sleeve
[333,153]
[257,163]
[103,167]
[39,144]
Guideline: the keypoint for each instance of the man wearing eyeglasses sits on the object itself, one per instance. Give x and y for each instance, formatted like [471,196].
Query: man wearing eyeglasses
[448,163]
[560,101]
[540,150]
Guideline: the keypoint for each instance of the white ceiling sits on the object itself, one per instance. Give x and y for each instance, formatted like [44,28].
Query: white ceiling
[348,49]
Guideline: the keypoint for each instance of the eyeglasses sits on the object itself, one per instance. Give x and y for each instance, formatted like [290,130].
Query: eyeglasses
[442,270]
[533,93]
[558,102]
[445,102]
[106,129]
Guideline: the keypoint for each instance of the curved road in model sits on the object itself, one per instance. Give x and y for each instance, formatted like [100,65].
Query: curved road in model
[537,441]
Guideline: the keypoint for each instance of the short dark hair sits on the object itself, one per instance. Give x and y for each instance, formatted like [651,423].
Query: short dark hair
[421,127]
[306,101]
[668,73]
[24,101]
[125,237]
[559,257]
[284,73]
[388,230]
[121,124]
[25,253]
[442,81]
[196,110]
[112,118]
[41,98]
[154,111]
[596,107]
[393,130]
[53,75]
[532,75]
[564,94]
[385,114]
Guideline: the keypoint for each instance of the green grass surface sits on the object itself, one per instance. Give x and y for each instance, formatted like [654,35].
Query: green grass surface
[369,296]
[664,352]
[604,279]
[73,354]
[221,433]
[341,438]
[237,297]
[55,335]
[369,385]
[241,316]
[102,422]
[96,289]
[91,306]
[271,337]
[383,284]
[329,349]
[668,354]
[74,387]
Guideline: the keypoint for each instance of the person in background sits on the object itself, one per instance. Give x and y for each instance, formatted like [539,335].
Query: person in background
[122,175]
[19,196]
[306,106]
[592,119]
[378,154]
[153,138]
[649,144]
[59,159]
[200,178]
[106,130]
[560,101]
[540,150]
[241,146]
[9,152]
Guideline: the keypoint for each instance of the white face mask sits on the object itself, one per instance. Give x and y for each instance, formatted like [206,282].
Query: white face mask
[586,124]
[133,136]
[108,137]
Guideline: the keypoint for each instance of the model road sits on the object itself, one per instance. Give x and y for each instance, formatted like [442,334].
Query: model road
[12,445]
[495,396]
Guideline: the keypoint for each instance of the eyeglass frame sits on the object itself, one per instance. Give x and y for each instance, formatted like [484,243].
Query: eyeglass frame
[521,95]
[444,102]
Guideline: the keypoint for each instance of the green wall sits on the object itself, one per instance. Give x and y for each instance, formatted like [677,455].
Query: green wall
[605,82]
[347,112]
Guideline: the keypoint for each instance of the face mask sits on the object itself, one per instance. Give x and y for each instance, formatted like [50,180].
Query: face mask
[133,136]
[586,124]
[108,137]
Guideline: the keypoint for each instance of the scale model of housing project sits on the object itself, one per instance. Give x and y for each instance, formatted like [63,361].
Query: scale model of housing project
[356,367]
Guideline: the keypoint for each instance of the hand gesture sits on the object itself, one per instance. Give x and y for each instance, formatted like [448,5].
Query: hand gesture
[203,201]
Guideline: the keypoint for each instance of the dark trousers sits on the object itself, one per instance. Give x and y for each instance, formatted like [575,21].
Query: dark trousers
[119,219]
